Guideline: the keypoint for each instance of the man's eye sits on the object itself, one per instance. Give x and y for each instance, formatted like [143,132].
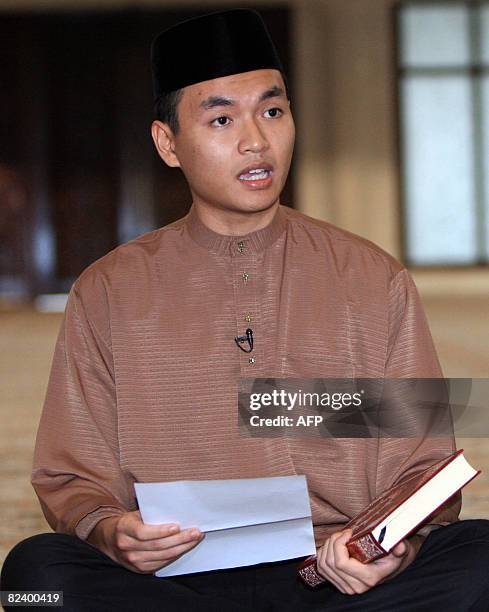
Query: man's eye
[273,112]
[220,121]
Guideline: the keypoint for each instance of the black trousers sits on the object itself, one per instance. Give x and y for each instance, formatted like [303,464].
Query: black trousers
[450,573]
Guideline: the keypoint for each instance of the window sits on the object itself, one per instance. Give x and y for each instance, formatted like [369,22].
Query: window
[444,122]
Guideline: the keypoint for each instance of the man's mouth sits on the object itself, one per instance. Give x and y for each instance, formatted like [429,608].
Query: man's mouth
[257,176]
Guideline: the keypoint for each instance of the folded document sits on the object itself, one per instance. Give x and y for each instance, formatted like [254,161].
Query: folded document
[246,521]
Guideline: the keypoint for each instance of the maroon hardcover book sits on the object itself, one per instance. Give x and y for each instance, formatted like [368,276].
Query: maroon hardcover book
[364,545]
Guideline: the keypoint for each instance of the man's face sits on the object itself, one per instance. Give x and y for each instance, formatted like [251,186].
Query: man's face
[235,141]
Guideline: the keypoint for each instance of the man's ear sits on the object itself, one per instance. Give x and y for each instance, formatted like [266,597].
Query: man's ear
[165,143]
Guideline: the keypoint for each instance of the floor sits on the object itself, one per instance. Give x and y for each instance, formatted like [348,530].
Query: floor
[460,329]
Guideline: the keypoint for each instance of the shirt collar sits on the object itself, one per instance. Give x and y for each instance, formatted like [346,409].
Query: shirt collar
[248,244]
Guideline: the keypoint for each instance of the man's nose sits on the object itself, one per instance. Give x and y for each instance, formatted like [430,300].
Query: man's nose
[253,139]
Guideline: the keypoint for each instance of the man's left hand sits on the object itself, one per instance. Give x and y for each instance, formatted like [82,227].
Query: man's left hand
[353,577]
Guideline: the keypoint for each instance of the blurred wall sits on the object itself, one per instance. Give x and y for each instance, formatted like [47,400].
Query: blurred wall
[346,98]
[348,166]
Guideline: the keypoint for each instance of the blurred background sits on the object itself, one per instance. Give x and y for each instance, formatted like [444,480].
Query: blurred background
[391,101]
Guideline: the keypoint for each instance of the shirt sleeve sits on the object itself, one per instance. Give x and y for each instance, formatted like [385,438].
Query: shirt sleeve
[411,354]
[76,471]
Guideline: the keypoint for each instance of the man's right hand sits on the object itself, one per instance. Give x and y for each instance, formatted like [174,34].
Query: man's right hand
[139,547]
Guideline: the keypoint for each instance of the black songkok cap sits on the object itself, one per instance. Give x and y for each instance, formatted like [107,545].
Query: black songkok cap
[211,46]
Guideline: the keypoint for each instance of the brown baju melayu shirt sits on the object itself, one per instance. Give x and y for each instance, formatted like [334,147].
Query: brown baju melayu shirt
[143,386]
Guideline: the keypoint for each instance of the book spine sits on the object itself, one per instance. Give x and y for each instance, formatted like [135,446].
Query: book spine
[365,549]
[308,572]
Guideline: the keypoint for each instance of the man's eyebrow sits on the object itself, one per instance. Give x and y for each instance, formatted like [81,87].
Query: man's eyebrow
[215,101]
[273,92]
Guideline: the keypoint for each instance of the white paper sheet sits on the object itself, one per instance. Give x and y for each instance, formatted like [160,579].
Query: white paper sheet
[246,521]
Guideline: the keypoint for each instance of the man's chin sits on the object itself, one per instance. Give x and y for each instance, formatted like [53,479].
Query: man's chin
[253,204]
[254,207]
[256,201]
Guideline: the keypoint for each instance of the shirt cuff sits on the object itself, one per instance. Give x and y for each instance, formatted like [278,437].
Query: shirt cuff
[88,522]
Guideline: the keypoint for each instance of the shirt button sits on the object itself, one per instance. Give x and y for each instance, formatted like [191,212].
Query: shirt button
[241,246]
[251,360]
[246,276]
[248,318]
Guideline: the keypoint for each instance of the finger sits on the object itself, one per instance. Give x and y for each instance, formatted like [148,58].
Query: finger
[338,555]
[400,549]
[153,560]
[135,528]
[357,575]
[343,578]
[321,554]
[385,566]
[327,571]
[184,536]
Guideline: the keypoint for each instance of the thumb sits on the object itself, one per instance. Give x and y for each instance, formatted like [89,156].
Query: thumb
[400,549]
[346,535]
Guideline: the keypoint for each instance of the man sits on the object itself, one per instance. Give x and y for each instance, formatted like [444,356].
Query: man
[144,379]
